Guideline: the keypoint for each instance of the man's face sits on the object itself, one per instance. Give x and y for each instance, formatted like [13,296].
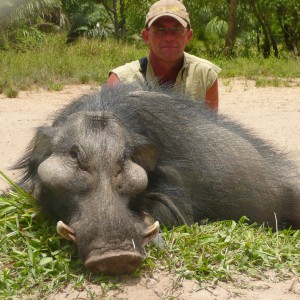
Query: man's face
[167,45]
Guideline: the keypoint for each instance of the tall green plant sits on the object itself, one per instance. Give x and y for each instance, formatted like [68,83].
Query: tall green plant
[88,19]
[26,21]
[7,7]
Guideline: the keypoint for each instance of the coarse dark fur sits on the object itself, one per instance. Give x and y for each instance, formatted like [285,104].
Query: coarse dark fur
[208,167]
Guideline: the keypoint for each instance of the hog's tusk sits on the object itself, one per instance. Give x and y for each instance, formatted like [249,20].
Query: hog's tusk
[66,231]
[154,228]
[151,232]
[133,244]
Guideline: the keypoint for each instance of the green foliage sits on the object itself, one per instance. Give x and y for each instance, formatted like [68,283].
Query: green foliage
[135,16]
[259,67]
[261,24]
[55,86]
[244,45]
[27,20]
[288,20]
[196,47]
[281,20]
[203,12]
[215,32]
[218,250]
[52,61]
[90,20]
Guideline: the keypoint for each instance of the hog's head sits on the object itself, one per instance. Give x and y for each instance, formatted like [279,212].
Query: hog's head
[87,172]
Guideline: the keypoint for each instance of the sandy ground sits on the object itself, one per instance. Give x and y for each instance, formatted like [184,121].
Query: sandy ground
[272,112]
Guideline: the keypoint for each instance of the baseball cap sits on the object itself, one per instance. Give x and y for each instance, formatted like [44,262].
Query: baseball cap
[171,8]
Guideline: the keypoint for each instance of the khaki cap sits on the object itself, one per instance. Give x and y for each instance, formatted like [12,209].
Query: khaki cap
[171,8]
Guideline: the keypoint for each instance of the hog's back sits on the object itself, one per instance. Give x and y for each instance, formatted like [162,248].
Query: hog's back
[226,171]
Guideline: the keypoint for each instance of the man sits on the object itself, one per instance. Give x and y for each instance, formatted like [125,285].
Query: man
[167,32]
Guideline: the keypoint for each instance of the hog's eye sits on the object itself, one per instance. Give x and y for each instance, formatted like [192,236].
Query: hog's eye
[73,154]
[77,153]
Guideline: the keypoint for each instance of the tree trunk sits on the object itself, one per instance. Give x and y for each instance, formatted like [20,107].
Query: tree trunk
[231,33]
[290,42]
[272,38]
[113,14]
[266,45]
[122,23]
[116,21]
[290,34]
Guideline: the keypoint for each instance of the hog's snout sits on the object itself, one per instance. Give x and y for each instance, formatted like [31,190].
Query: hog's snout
[110,258]
[114,262]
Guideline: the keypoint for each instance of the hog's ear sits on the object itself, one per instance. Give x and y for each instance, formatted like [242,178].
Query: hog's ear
[37,151]
[146,156]
[43,144]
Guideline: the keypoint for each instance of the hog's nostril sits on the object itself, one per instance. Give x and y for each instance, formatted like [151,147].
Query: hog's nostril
[114,263]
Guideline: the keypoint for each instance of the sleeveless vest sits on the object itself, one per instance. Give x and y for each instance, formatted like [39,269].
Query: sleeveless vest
[194,79]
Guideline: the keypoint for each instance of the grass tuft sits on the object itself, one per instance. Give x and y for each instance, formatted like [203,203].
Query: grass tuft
[55,86]
[11,92]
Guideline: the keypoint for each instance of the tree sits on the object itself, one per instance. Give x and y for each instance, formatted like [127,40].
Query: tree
[220,26]
[88,19]
[231,33]
[116,11]
[260,17]
[7,7]
[26,20]
[12,10]
[288,17]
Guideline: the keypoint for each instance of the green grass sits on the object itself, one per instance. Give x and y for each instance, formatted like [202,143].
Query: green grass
[10,92]
[218,250]
[53,63]
[35,261]
[259,67]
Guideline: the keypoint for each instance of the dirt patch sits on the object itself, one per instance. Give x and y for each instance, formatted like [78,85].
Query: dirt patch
[271,112]
[168,286]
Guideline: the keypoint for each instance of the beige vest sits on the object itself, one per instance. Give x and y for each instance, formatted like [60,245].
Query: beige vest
[195,77]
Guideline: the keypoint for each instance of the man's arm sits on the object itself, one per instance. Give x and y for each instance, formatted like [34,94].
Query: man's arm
[212,97]
[112,79]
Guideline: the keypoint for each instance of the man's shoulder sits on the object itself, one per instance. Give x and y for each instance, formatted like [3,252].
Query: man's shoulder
[130,67]
[190,58]
[129,72]
[198,62]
